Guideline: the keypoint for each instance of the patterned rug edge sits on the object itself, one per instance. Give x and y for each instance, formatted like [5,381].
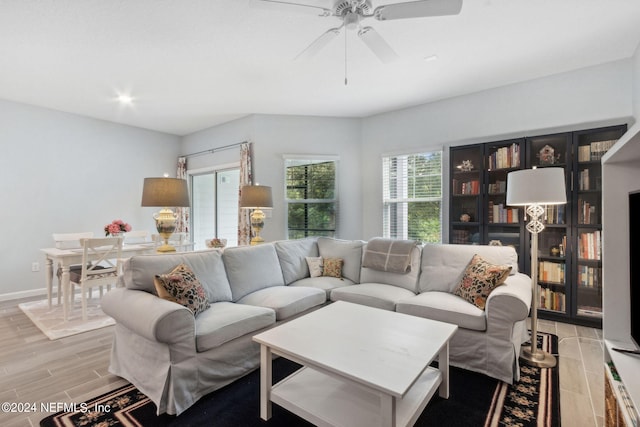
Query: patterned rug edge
[511,404]
[516,405]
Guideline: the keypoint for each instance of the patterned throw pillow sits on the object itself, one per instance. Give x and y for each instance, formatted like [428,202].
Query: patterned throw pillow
[182,286]
[315,265]
[480,279]
[332,267]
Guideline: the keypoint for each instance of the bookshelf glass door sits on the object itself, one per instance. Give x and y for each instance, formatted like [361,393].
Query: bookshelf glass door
[466,183]
[552,268]
[590,146]
[589,273]
[503,222]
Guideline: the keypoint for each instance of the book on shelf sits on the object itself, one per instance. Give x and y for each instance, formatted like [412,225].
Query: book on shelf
[583,180]
[498,213]
[471,187]
[587,213]
[590,246]
[505,157]
[551,272]
[554,214]
[498,187]
[595,150]
[551,300]
[589,277]
[590,311]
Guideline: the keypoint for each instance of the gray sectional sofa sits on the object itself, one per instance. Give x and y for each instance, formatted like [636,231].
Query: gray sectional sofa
[176,358]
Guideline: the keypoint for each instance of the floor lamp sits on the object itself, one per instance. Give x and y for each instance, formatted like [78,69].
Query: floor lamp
[534,189]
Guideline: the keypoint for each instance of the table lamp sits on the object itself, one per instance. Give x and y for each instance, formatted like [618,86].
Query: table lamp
[256,197]
[535,188]
[165,193]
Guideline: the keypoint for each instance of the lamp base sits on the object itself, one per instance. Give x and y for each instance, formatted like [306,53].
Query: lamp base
[538,358]
[165,248]
[257,240]
[166,225]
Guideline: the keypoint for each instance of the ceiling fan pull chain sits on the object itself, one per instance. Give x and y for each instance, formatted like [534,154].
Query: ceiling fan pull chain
[345,58]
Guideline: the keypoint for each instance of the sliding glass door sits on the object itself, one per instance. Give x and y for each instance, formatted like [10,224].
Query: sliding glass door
[214,206]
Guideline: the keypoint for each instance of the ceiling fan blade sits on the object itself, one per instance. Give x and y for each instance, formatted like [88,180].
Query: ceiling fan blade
[319,43]
[377,44]
[291,6]
[417,9]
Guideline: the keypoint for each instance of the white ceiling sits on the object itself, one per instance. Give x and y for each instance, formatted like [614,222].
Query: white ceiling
[192,64]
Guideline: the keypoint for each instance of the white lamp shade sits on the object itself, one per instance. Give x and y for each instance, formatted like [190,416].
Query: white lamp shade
[543,186]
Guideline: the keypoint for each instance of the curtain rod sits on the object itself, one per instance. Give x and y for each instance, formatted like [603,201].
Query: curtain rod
[213,150]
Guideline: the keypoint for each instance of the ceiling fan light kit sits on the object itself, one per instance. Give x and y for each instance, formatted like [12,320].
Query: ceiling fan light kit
[353,12]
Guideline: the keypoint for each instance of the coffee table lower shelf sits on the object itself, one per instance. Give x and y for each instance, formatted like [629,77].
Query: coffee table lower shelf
[327,401]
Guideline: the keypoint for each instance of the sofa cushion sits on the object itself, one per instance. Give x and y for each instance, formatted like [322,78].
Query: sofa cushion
[372,294]
[445,307]
[250,268]
[327,284]
[349,250]
[286,301]
[407,280]
[183,288]
[315,267]
[225,321]
[292,254]
[479,280]
[139,271]
[384,254]
[443,265]
[332,267]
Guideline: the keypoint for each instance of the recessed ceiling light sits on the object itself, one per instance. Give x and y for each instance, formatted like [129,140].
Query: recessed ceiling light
[431,58]
[125,99]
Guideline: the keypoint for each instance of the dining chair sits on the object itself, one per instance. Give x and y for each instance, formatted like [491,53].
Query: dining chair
[68,241]
[100,267]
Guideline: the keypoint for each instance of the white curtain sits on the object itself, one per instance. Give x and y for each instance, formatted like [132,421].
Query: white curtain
[182,225]
[246,178]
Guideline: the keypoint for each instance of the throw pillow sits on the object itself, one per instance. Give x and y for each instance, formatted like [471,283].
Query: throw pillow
[480,279]
[315,265]
[332,267]
[182,286]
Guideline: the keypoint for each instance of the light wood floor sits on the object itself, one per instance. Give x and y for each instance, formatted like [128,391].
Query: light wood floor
[34,369]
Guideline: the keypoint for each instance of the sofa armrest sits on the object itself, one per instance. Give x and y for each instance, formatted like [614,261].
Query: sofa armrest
[154,318]
[511,301]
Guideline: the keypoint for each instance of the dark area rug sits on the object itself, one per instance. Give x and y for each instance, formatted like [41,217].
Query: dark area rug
[475,400]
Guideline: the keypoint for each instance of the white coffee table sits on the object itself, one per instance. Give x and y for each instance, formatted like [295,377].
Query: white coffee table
[362,366]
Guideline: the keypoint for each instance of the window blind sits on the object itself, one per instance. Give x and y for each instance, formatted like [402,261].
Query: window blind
[412,196]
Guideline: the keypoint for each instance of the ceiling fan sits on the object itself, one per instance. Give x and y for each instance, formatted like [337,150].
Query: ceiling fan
[353,12]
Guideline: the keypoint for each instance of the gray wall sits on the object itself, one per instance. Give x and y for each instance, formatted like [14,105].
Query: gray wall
[70,159]
[580,99]
[275,136]
[64,173]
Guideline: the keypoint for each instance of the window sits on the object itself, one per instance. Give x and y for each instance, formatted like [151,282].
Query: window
[214,206]
[312,203]
[412,196]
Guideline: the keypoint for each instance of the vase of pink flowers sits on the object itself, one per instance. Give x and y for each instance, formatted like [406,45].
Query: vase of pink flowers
[116,228]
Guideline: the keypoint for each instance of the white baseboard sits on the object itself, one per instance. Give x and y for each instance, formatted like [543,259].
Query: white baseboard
[24,294]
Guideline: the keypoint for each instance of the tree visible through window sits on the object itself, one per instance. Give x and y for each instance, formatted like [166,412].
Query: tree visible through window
[312,205]
[412,196]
